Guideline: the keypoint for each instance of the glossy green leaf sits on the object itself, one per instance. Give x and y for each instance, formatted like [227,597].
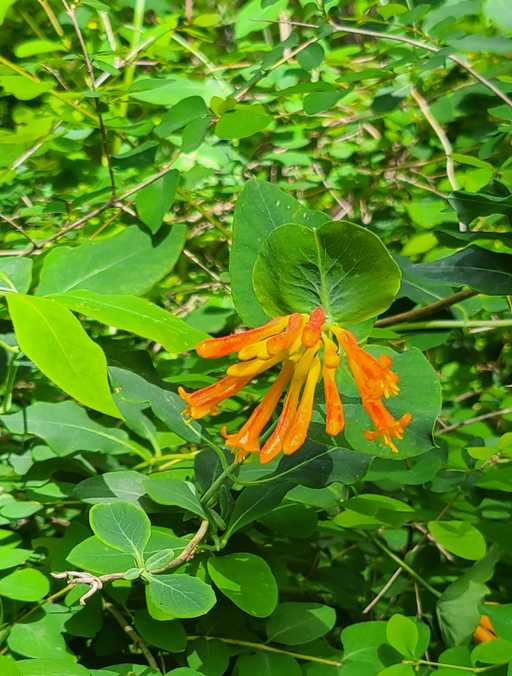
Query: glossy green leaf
[125,485]
[121,525]
[247,580]
[294,623]
[482,270]
[41,636]
[342,267]
[168,491]
[260,208]
[194,134]
[402,634]
[154,201]
[67,428]
[311,57]
[253,502]
[26,584]
[362,653]
[108,265]
[319,102]
[498,651]
[51,667]
[136,315]
[179,596]
[49,334]
[459,538]
[15,273]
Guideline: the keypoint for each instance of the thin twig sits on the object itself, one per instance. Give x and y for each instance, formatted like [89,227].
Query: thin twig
[476,419]
[431,309]
[384,589]
[264,72]
[17,227]
[52,18]
[130,631]
[429,48]
[441,135]
[70,10]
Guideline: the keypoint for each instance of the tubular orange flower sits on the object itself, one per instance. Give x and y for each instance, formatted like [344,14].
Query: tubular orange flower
[485,631]
[247,439]
[386,427]
[304,345]
[298,430]
[220,347]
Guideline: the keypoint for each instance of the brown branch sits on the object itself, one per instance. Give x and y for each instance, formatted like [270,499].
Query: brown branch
[188,552]
[17,227]
[431,309]
[478,418]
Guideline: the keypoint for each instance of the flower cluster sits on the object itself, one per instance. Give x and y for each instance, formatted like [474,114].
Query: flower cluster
[308,350]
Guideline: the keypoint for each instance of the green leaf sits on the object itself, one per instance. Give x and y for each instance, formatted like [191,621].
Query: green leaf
[423,403]
[342,267]
[15,273]
[125,485]
[34,47]
[179,596]
[311,57]
[247,580]
[22,88]
[154,201]
[254,16]
[243,121]
[10,556]
[121,525]
[398,670]
[470,205]
[136,315]
[498,651]
[260,208]
[169,636]
[362,648]
[295,623]
[181,114]
[41,636]
[26,584]
[165,404]
[8,667]
[55,341]
[66,428]
[253,503]
[110,264]
[93,555]
[268,664]
[319,102]
[194,134]
[51,667]
[388,510]
[459,538]
[5,5]
[499,12]
[402,634]
[211,656]
[485,271]
[168,491]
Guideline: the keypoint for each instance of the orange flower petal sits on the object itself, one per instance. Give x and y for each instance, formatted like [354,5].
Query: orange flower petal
[482,635]
[334,415]
[298,430]
[220,347]
[313,328]
[252,368]
[247,437]
[204,401]
[387,428]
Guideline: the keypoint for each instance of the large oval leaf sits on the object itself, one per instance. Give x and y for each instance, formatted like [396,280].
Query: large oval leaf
[260,208]
[341,266]
[53,338]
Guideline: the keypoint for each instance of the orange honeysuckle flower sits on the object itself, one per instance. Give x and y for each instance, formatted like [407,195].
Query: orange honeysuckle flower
[485,631]
[305,346]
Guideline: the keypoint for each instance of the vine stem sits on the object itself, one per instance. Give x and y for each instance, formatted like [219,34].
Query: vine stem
[405,566]
[457,324]
[269,649]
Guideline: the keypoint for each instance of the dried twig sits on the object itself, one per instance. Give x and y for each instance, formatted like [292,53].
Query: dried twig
[431,309]
[96,582]
[478,418]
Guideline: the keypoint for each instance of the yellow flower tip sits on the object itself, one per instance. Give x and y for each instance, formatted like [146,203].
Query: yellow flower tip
[251,368]
[331,357]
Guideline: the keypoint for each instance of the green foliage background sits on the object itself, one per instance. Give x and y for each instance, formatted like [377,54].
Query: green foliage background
[148,150]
